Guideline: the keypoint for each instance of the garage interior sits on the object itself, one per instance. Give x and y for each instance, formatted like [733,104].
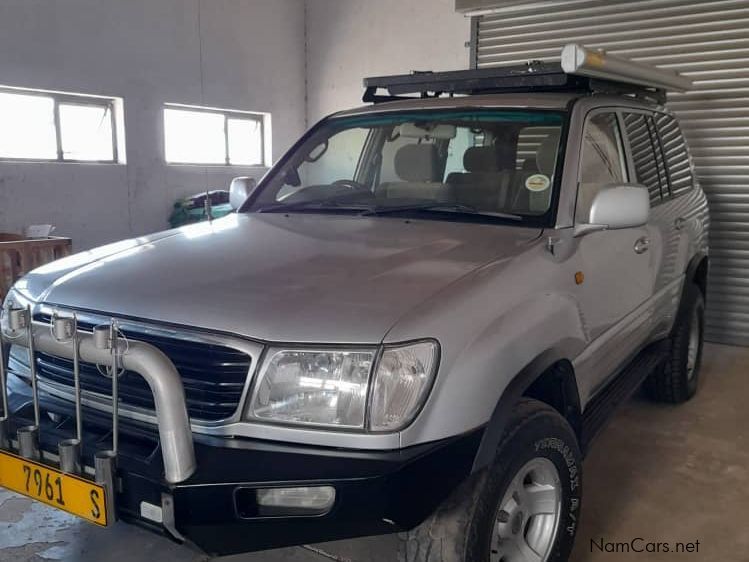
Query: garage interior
[674,473]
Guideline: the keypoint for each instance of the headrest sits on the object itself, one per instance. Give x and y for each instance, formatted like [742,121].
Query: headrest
[546,157]
[417,162]
[481,159]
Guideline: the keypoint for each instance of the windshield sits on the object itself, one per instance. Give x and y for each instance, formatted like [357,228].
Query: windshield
[490,164]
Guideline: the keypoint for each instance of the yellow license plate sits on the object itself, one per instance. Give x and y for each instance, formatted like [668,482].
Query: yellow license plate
[63,491]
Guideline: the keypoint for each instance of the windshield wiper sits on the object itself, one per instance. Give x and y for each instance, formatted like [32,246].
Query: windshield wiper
[456,208]
[312,206]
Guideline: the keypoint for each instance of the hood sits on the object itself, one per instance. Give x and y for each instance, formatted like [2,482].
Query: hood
[295,278]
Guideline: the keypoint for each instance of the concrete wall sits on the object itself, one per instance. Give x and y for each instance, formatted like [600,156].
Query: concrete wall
[148,52]
[350,39]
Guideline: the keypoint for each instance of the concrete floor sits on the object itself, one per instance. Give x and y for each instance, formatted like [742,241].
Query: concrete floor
[665,474]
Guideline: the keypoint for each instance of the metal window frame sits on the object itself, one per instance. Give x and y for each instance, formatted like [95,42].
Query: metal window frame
[68,99]
[227,114]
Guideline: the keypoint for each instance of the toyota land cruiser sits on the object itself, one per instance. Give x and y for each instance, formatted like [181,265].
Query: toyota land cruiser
[416,323]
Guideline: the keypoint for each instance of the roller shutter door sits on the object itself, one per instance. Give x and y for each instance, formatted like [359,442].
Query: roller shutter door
[707,41]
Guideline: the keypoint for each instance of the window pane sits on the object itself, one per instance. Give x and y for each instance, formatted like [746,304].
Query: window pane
[245,141]
[643,154]
[27,127]
[194,137]
[602,160]
[86,132]
[677,157]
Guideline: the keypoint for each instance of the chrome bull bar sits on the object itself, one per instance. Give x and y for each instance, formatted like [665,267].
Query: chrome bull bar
[103,346]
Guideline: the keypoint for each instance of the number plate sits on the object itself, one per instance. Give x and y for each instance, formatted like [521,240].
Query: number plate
[63,491]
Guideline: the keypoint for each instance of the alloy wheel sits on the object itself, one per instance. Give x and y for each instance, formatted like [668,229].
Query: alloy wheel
[528,516]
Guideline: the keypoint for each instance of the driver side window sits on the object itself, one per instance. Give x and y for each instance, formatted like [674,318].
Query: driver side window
[601,160]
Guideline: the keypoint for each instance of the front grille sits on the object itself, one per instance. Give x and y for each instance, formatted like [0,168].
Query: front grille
[213,376]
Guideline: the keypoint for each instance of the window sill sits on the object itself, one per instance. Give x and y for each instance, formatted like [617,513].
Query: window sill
[45,161]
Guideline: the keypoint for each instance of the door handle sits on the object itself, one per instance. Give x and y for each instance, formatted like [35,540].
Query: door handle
[679,223]
[642,245]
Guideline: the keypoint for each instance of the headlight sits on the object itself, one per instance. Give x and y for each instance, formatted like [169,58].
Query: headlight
[331,388]
[403,380]
[314,387]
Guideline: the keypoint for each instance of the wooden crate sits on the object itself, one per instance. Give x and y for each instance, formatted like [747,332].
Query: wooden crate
[18,256]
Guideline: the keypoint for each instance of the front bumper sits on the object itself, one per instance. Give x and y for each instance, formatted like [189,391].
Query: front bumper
[376,492]
[202,489]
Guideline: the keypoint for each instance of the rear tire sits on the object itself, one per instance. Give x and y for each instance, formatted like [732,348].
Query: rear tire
[677,381]
[529,498]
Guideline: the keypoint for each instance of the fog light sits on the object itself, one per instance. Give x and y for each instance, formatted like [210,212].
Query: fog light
[316,500]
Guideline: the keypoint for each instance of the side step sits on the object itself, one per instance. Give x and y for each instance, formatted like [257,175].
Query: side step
[603,406]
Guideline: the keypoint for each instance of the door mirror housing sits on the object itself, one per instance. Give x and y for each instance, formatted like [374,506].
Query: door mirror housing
[617,206]
[240,189]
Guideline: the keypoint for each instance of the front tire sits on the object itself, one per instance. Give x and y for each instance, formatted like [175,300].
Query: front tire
[523,508]
[678,380]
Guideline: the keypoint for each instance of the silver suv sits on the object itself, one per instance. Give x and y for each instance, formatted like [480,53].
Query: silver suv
[416,322]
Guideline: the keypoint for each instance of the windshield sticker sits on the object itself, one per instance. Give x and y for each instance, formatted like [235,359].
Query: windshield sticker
[537,182]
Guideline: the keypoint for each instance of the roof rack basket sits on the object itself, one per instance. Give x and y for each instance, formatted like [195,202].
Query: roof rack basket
[581,70]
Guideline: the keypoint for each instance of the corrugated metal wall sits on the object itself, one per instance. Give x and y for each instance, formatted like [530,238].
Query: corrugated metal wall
[705,40]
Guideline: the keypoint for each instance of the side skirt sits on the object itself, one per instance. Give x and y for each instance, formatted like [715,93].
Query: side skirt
[603,405]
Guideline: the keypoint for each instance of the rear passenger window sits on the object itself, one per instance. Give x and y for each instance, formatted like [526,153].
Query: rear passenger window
[642,144]
[464,140]
[601,160]
[530,140]
[676,154]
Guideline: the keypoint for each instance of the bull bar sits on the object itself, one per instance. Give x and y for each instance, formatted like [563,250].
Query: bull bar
[103,346]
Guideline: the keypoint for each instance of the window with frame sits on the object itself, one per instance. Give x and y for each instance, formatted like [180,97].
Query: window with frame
[58,127]
[601,160]
[648,170]
[439,164]
[199,135]
[675,153]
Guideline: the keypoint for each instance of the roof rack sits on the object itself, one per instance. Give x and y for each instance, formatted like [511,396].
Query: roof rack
[581,71]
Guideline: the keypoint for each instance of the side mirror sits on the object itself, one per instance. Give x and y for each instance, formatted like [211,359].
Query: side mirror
[617,206]
[239,190]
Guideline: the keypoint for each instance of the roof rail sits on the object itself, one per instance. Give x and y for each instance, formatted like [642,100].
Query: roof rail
[581,71]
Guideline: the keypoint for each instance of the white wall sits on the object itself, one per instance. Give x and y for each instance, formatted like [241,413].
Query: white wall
[350,39]
[148,52]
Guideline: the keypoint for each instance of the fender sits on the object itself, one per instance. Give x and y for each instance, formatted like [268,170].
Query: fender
[696,274]
[517,388]
[480,359]
[693,273]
